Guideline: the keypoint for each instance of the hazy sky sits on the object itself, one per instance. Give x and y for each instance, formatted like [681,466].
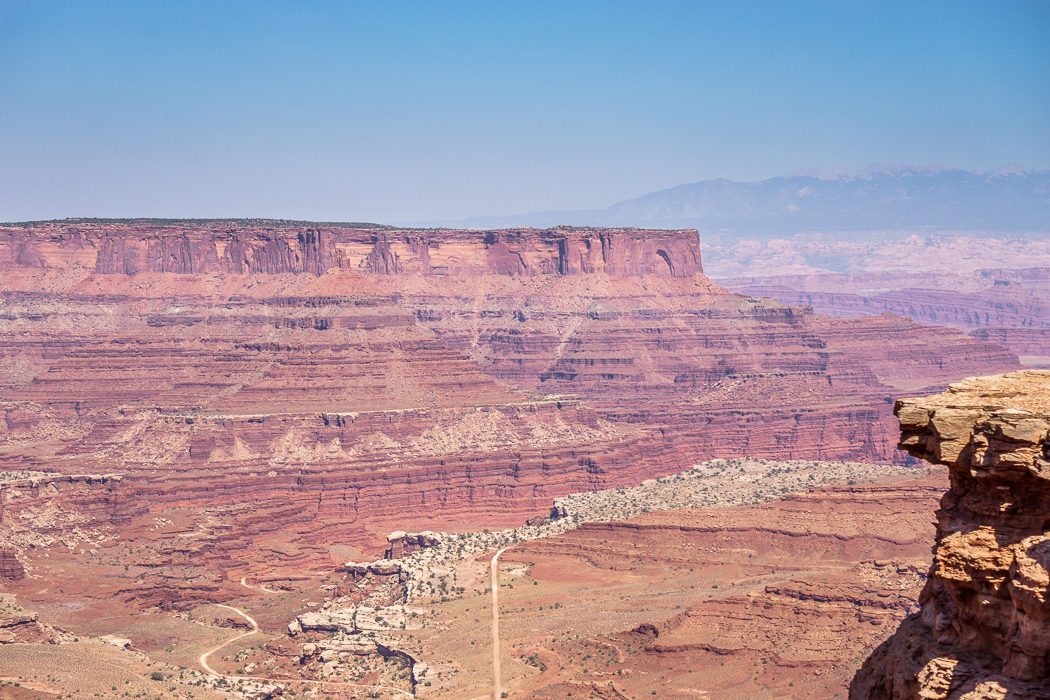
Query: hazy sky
[393,111]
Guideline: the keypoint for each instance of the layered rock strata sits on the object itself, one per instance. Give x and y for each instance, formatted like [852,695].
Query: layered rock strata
[1010,307]
[10,568]
[269,390]
[771,600]
[984,628]
[277,247]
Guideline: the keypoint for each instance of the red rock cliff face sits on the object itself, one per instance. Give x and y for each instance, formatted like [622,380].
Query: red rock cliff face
[422,380]
[210,248]
[10,568]
[984,629]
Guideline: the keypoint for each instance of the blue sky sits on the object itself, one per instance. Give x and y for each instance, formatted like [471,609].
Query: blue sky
[394,111]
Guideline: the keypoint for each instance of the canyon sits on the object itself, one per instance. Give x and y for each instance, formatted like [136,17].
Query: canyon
[993,287]
[1010,307]
[780,599]
[337,377]
[190,406]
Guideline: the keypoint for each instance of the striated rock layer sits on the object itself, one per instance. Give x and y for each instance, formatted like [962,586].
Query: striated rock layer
[10,568]
[984,628]
[778,599]
[274,248]
[268,390]
[1010,306]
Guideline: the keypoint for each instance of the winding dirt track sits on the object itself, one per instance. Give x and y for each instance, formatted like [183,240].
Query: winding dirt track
[203,660]
[260,587]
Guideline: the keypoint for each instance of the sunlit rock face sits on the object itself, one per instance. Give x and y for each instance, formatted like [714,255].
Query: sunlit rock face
[984,628]
[234,248]
[292,387]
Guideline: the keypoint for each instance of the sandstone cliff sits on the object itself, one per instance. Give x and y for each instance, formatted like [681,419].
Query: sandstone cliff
[277,247]
[289,387]
[984,628]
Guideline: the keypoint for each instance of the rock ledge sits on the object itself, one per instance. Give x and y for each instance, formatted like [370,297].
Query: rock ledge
[984,627]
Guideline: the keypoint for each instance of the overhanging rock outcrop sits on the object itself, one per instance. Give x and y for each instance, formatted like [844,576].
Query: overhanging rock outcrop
[984,627]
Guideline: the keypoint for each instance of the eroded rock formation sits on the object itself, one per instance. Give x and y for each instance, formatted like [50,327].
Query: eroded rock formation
[984,628]
[1008,306]
[274,247]
[10,568]
[774,600]
[403,544]
[268,390]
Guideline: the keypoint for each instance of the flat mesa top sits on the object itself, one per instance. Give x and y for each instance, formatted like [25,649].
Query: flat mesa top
[1025,390]
[151,226]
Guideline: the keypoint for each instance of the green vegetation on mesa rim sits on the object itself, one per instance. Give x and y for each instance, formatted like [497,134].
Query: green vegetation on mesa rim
[274,223]
[147,221]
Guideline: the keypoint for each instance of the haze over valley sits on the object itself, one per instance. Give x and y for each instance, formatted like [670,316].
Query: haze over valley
[470,351]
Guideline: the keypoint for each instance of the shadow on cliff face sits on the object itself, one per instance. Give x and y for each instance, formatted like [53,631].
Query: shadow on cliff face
[983,631]
[910,665]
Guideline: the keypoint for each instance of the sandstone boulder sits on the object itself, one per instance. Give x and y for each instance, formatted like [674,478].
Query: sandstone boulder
[404,544]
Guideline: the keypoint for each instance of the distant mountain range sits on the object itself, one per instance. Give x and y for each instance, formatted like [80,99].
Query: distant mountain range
[880,197]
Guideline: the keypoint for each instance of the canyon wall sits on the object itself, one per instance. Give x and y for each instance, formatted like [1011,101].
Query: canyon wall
[1008,306]
[984,627]
[270,391]
[773,600]
[274,248]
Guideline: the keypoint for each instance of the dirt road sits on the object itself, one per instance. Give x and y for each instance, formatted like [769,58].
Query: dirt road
[497,682]
[203,658]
